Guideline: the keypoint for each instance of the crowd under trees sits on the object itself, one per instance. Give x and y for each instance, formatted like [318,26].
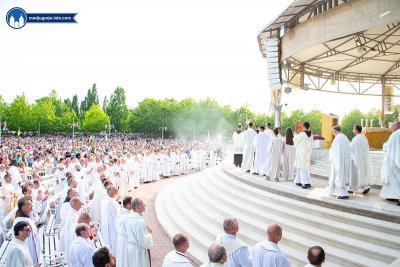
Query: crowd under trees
[188,118]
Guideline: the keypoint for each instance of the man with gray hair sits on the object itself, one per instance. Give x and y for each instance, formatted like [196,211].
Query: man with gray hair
[216,255]
[237,252]
[339,156]
[390,173]
[267,253]
[71,218]
[139,236]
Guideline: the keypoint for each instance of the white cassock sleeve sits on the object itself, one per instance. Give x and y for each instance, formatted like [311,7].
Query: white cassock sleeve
[85,254]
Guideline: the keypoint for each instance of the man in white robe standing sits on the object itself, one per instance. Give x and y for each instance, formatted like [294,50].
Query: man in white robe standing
[303,145]
[248,148]
[22,215]
[267,253]
[110,208]
[268,129]
[139,236]
[274,158]
[17,252]
[178,257]
[360,166]
[70,220]
[339,156]
[261,142]
[15,174]
[237,252]
[237,137]
[84,218]
[122,237]
[390,172]
[82,249]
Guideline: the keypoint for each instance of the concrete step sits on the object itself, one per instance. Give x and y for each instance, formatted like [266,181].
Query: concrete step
[354,226]
[296,231]
[195,207]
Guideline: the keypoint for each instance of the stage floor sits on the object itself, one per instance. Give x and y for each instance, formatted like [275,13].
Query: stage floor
[370,205]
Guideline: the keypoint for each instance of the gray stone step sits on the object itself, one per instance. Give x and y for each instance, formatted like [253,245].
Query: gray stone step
[195,206]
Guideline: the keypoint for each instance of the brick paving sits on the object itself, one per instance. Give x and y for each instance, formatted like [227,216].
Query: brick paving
[162,243]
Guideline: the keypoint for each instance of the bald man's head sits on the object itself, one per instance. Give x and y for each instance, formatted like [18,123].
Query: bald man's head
[395,126]
[274,232]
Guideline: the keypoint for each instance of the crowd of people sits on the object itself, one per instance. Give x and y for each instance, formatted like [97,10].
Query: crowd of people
[266,152]
[87,182]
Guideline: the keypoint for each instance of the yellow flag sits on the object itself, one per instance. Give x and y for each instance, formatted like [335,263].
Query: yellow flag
[19,132]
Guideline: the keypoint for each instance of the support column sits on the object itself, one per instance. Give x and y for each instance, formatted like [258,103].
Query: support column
[383,102]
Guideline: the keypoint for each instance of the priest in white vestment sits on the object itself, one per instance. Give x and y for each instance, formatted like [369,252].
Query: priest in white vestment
[267,253]
[248,148]
[178,257]
[22,215]
[17,253]
[339,157]
[289,155]
[360,165]
[83,218]
[303,145]
[390,172]
[274,152]
[237,252]
[122,237]
[82,249]
[140,238]
[70,220]
[268,129]
[109,211]
[15,174]
[261,142]
[237,137]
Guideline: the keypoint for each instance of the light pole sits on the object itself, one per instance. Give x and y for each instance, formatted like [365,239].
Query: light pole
[73,125]
[39,128]
[109,126]
[163,128]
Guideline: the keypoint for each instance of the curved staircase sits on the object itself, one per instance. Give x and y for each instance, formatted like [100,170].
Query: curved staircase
[198,205]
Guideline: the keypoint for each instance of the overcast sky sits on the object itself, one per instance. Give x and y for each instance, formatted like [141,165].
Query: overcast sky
[152,48]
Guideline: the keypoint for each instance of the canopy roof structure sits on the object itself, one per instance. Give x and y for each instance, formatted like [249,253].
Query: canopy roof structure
[340,46]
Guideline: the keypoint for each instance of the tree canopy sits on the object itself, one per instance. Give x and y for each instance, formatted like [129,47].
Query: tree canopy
[187,118]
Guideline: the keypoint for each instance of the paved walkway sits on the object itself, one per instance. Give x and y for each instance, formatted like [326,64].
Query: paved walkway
[162,243]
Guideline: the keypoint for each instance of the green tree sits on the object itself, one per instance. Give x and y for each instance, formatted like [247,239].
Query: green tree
[105,103]
[3,111]
[95,119]
[44,113]
[19,115]
[90,99]
[118,111]
[75,105]
[351,119]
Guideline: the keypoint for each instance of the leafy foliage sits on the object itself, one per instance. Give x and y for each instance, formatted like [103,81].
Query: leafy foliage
[95,119]
[187,118]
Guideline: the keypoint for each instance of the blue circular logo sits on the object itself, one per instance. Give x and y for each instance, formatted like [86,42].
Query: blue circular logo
[16,18]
